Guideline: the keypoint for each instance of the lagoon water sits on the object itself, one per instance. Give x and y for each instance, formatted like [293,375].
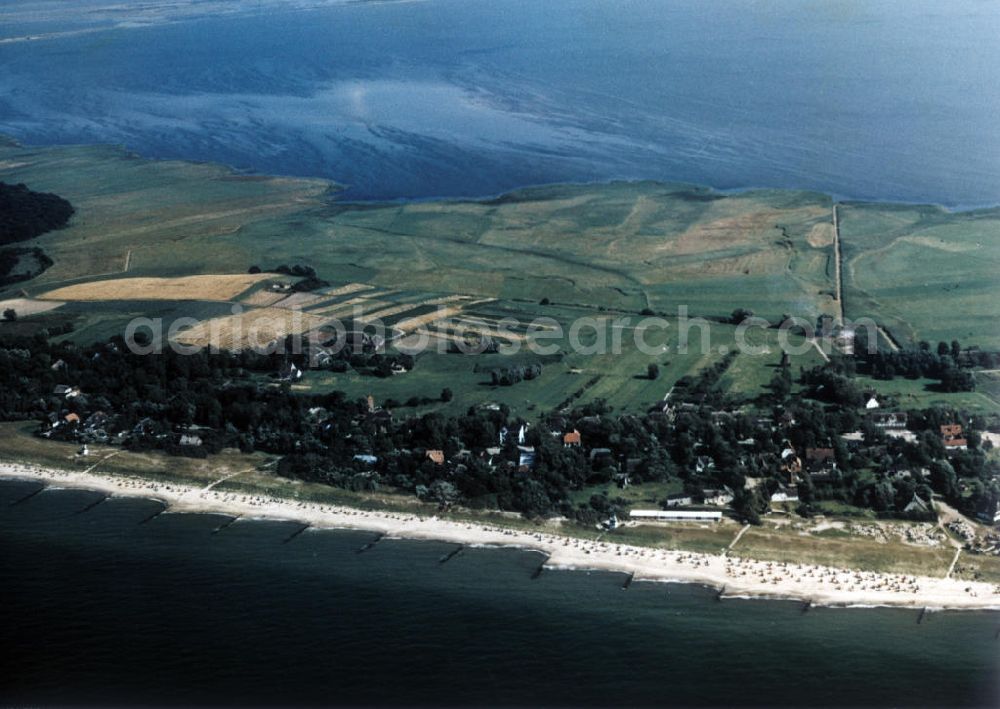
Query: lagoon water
[455,98]
[101,606]
[888,101]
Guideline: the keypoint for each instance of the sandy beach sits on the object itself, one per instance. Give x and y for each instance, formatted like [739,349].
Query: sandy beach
[732,575]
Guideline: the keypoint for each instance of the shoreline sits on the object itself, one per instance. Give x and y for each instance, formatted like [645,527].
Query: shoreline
[731,576]
[340,190]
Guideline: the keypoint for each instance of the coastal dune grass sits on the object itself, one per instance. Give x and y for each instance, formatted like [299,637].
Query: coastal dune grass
[856,552]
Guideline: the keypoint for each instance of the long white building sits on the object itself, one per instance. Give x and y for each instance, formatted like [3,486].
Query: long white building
[677,515]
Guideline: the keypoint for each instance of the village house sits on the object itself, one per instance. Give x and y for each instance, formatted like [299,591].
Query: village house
[717,497]
[379,418]
[791,464]
[819,458]
[872,403]
[317,413]
[679,499]
[917,505]
[66,391]
[902,433]
[601,456]
[435,456]
[952,436]
[888,419]
[322,358]
[703,463]
[361,341]
[783,494]
[189,439]
[820,477]
[572,439]
[990,513]
[289,373]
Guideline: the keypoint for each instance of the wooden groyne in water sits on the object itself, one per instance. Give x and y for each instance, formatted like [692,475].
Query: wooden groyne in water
[94,504]
[226,524]
[372,543]
[296,533]
[451,555]
[29,495]
[154,515]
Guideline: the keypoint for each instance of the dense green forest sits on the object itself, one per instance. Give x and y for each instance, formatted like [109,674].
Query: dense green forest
[24,215]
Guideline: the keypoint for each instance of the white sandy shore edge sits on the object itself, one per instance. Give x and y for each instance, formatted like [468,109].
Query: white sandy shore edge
[734,576]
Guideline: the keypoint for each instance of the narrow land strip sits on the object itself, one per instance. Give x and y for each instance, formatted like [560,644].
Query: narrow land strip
[738,577]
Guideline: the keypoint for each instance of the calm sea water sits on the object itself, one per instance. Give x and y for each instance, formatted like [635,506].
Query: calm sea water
[97,606]
[893,100]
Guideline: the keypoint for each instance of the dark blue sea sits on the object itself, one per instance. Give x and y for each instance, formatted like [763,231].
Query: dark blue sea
[98,606]
[892,100]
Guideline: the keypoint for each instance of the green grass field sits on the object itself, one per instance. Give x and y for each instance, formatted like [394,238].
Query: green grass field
[597,369]
[919,394]
[926,273]
[595,251]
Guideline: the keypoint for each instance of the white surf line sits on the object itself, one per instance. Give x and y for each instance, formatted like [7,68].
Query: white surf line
[736,539]
[128,260]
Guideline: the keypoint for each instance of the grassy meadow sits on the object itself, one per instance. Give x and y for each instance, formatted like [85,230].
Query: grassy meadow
[923,272]
[173,239]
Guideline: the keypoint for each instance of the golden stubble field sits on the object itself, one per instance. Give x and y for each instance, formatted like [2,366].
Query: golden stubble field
[216,287]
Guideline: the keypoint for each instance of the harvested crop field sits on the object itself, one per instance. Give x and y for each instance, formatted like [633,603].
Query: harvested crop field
[300,300]
[348,289]
[351,307]
[204,287]
[252,329]
[469,328]
[26,306]
[410,324]
[262,298]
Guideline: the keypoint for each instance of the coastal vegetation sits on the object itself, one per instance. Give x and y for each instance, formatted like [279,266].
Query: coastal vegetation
[24,215]
[580,432]
[196,404]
